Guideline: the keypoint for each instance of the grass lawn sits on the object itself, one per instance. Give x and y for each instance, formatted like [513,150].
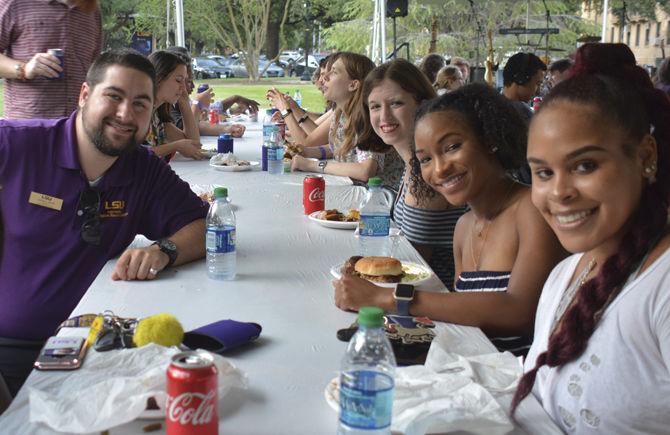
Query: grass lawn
[311,97]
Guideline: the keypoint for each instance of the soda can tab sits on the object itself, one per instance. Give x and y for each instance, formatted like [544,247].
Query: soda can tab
[192,395]
[60,54]
[313,194]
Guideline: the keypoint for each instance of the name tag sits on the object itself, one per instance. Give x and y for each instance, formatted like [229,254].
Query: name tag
[46,201]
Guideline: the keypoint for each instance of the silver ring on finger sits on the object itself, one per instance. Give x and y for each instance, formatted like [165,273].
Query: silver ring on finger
[153,271]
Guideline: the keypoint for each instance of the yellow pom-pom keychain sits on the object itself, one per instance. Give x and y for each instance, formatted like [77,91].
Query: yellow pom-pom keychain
[163,329]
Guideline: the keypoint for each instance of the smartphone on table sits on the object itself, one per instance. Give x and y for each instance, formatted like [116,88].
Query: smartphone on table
[61,353]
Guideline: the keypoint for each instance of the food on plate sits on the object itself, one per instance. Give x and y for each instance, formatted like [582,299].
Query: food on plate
[291,150]
[352,215]
[375,269]
[228,159]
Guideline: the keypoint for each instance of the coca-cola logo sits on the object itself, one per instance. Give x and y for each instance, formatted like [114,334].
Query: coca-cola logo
[182,409]
[316,195]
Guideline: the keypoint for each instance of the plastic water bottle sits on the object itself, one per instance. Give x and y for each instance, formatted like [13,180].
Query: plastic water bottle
[275,154]
[220,238]
[297,97]
[268,125]
[375,221]
[367,379]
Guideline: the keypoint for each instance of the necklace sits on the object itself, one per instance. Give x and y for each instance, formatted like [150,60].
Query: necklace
[569,294]
[485,230]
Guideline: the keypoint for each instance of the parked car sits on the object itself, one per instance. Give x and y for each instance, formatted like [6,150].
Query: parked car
[239,69]
[288,56]
[298,67]
[206,68]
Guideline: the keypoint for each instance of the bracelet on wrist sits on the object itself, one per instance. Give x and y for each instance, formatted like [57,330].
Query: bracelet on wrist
[20,71]
[303,119]
[323,153]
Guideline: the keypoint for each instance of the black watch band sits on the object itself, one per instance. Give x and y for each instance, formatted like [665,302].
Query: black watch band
[169,248]
[403,295]
[286,113]
[303,119]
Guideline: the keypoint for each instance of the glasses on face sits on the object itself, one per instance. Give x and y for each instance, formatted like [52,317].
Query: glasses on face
[89,209]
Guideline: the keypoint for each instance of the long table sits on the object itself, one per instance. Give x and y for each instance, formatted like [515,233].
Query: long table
[283,282]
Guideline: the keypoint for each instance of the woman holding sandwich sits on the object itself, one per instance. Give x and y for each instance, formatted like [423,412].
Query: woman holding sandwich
[468,144]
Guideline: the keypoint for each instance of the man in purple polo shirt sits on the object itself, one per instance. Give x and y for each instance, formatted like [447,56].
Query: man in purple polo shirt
[74,192]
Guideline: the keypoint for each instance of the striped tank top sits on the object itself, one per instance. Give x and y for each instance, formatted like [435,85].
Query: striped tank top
[489,281]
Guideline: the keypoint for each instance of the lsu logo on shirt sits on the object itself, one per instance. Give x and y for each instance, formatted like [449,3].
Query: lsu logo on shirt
[114,209]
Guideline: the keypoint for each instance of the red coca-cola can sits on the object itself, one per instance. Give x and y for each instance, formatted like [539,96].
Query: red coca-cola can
[192,401]
[213,116]
[313,194]
[536,103]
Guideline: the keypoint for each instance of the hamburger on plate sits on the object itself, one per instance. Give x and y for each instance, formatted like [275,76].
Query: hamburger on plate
[375,269]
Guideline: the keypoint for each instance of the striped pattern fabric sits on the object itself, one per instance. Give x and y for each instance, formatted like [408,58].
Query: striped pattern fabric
[430,227]
[28,27]
[489,281]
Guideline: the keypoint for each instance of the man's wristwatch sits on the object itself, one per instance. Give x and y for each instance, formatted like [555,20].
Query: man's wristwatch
[403,295]
[169,248]
[285,113]
[322,166]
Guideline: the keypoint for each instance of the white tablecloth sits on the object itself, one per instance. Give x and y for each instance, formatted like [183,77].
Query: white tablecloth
[283,283]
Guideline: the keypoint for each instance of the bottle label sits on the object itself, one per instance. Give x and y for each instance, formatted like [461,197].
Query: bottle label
[366,399]
[374,226]
[220,241]
[275,154]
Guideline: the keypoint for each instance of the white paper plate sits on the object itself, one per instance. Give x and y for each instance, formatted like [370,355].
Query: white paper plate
[236,168]
[332,224]
[419,274]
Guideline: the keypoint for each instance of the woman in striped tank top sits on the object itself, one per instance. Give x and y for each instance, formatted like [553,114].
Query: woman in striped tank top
[468,144]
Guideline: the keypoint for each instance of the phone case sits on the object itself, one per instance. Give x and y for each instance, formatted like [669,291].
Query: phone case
[61,353]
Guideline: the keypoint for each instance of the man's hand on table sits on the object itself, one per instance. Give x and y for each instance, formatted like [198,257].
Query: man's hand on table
[352,293]
[140,264]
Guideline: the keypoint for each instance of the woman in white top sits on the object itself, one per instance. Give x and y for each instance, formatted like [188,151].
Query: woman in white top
[598,151]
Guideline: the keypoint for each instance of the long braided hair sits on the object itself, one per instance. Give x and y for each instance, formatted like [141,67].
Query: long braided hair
[605,77]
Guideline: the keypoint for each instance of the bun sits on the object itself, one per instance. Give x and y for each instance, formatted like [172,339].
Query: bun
[379,267]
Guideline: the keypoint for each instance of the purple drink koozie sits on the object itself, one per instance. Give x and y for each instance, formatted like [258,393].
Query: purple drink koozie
[264,158]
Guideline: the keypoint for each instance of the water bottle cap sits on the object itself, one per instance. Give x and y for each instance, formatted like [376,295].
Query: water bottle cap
[371,317]
[221,192]
[375,181]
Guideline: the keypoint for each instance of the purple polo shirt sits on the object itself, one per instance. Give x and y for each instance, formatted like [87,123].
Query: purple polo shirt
[46,268]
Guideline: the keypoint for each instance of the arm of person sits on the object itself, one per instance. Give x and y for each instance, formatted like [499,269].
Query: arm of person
[40,65]
[186,147]
[357,170]
[244,103]
[318,136]
[496,313]
[135,264]
[207,129]
[191,130]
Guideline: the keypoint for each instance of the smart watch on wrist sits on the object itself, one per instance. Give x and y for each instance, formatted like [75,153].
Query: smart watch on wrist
[285,113]
[403,295]
[169,248]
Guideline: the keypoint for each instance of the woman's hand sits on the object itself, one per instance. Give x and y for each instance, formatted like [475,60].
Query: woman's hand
[205,97]
[352,293]
[299,163]
[236,130]
[278,99]
[189,148]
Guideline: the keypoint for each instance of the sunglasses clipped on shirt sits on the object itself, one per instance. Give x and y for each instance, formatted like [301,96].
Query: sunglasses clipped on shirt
[89,209]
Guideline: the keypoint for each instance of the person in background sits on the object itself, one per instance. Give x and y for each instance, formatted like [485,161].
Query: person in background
[343,85]
[430,65]
[75,193]
[468,142]
[600,155]
[559,71]
[300,122]
[522,77]
[662,78]
[391,93]
[448,79]
[201,103]
[464,66]
[28,28]
[164,137]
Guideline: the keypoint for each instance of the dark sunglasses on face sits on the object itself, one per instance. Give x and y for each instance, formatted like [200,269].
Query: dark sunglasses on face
[89,209]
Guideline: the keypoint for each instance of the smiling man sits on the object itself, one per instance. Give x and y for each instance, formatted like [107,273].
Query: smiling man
[74,192]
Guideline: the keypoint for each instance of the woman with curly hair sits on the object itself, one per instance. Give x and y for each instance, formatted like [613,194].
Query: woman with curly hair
[598,150]
[468,144]
[352,158]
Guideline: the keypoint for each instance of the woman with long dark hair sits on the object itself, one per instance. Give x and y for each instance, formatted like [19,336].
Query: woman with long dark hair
[598,151]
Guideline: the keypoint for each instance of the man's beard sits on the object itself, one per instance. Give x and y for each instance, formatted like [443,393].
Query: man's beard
[101,143]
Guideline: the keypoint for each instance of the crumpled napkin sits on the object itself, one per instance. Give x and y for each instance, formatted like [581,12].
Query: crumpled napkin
[456,390]
[112,388]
